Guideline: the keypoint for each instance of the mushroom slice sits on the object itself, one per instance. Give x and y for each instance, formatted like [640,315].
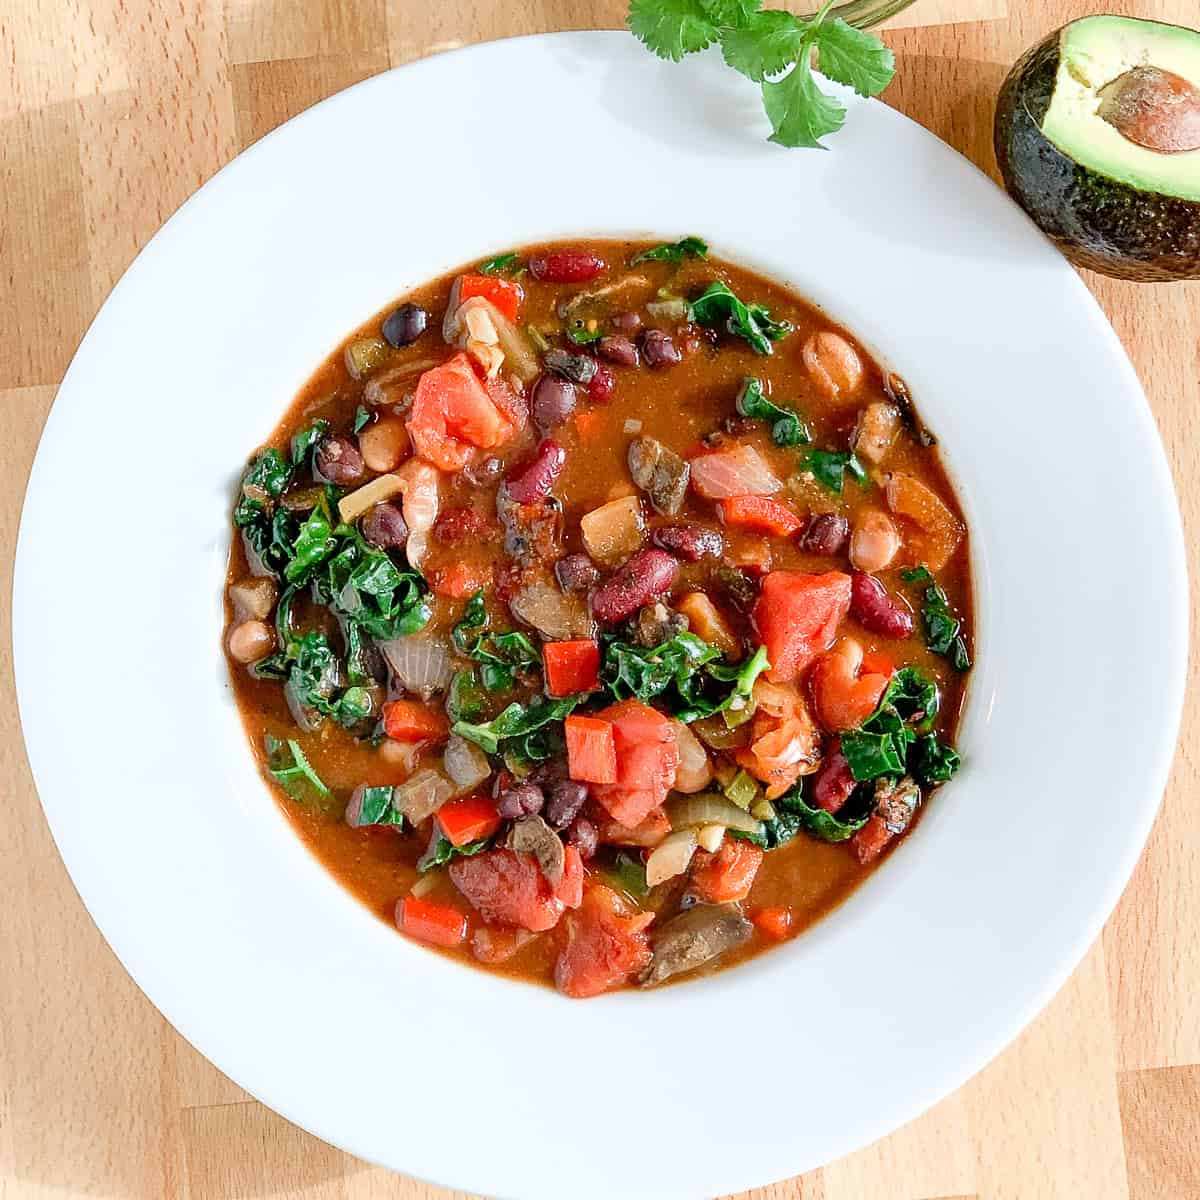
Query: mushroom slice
[694,938]
[531,835]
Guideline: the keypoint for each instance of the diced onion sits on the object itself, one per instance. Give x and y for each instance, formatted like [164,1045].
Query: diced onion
[424,884]
[382,488]
[690,812]
[668,310]
[465,763]
[670,857]
[710,837]
[694,772]
[632,425]
[421,662]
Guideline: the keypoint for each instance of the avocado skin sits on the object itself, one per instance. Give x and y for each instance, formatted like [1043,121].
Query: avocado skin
[1096,222]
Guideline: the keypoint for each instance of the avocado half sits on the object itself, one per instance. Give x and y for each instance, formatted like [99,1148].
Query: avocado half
[1098,139]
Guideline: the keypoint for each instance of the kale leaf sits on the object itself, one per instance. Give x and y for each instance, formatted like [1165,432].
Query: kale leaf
[829,468]
[292,771]
[500,655]
[517,722]
[787,429]
[377,807]
[443,850]
[718,305]
[943,630]
[688,247]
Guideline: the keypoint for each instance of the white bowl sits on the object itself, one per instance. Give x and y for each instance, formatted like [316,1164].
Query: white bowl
[291,987]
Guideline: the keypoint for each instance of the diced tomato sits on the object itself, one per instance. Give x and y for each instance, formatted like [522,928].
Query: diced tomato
[513,406]
[727,875]
[571,666]
[503,293]
[797,616]
[570,886]
[457,581]
[843,693]
[497,944]
[773,922]
[426,921]
[409,721]
[759,512]
[871,839]
[875,662]
[606,944]
[468,819]
[507,888]
[452,414]
[591,749]
[647,758]
[646,833]
[783,738]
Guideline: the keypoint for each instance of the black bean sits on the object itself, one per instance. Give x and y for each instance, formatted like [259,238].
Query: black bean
[520,800]
[584,836]
[692,542]
[338,459]
[619,350]
[384,526]
[659,349]
[405,325]
[576,573]
[566,799]
[552,402]
[626,322]
[825,534]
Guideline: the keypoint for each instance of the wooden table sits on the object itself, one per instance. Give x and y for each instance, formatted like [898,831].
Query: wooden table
[111,113]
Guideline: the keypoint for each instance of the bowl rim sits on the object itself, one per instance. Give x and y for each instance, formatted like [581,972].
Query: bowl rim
[27,617]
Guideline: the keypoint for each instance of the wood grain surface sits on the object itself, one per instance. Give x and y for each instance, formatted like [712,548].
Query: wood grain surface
[111,113]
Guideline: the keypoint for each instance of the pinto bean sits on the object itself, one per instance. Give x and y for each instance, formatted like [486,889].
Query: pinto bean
[576,573]
[875,610]
[251,640]
[383,444]
[875,541]
[566,266]
[533,480]
[338,459]
[648,575]
[833,781]
[825,534]
[619,350]
[692,542]
[833,365]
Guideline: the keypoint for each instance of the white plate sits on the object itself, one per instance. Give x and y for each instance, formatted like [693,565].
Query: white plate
[287,983]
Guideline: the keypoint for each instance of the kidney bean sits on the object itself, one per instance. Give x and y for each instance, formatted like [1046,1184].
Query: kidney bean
[626,322]
[825,534]
[600,390]
[566,799]
[576,573]
[584,836]
[692,542]
[338,459]
[833,781]
[875,610]
[384,526]
[566,266]
[552,402]
[533,480]
[648,575]
[659,349]
[520,800]
[405,325]
[619,350]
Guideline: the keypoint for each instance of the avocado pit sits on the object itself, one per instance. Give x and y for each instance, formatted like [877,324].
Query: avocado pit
[1153,108]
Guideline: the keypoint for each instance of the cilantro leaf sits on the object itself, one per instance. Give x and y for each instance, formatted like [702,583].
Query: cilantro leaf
[765,45]
[730,13]
[718,304]
[786,427]
[853,57]
[672,28]
[292,771]
[502,264]
[442,850]
[800,113]
[688,247]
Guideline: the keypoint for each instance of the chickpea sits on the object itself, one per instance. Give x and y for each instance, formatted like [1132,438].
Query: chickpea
[383,444]
[833,364]
[874,542]
[251,640]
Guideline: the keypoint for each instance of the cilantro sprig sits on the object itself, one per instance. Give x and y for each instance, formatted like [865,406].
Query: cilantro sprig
[775,49]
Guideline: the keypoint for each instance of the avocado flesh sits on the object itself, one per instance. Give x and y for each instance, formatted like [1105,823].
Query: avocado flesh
[1097,220]
[1095,51]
